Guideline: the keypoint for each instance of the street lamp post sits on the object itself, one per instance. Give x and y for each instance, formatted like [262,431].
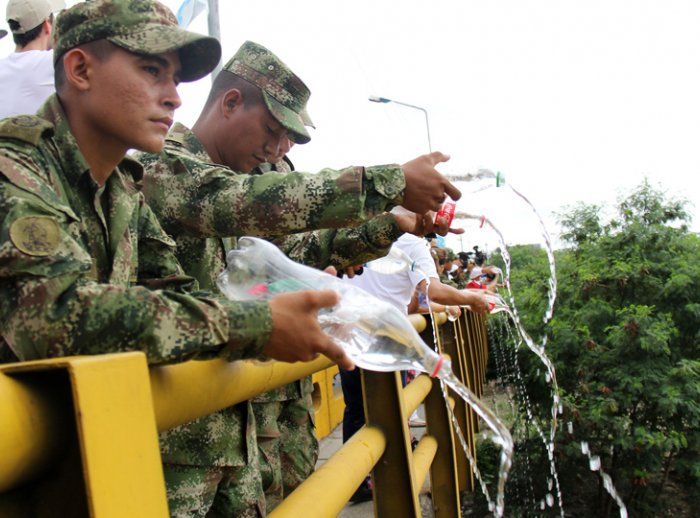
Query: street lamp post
[377,99]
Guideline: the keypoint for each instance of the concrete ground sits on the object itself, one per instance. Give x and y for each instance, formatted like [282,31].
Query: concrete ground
[330,444]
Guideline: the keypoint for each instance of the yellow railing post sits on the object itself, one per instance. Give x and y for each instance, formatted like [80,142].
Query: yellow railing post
[455,348]
[394,475]
[111,464]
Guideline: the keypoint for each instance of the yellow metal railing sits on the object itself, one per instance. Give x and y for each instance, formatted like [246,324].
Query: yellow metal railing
[79,435]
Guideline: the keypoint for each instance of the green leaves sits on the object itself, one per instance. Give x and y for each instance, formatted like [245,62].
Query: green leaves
[625,339]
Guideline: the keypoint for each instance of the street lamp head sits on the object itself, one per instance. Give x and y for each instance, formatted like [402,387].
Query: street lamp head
[377,99]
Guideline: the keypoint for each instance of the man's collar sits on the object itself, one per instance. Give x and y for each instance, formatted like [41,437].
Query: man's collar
[182,136]
[73,161]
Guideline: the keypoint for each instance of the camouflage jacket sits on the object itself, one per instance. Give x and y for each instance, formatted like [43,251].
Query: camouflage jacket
[445,279]
[204,206]
[86,269]
[336,247]
[329,247]
[195,199]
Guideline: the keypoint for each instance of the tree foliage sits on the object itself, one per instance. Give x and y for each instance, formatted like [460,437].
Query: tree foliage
[625,341]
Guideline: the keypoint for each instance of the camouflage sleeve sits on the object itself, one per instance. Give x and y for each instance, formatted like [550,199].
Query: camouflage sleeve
[49,307]
[342,247]
[204,200]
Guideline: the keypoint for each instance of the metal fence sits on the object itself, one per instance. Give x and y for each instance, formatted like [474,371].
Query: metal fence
[79,436]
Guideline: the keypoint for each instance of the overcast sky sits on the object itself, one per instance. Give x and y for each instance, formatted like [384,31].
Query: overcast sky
[572,100]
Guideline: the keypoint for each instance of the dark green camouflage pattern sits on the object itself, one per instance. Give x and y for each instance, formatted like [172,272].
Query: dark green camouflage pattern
[342,247]
[285,94]
[87,269]
[288,444]
[139,26]
[445,279]
[285,416]
[199,202]
[199,491]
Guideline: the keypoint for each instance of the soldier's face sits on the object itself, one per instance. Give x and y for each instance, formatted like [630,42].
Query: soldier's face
[253,136]
[134,99]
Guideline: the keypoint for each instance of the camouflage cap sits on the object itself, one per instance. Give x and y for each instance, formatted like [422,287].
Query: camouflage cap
[306,119]
[140,26]
[285,94]
[451,256]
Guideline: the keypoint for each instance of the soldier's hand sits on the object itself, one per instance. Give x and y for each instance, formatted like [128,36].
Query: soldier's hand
[441,227]
[412,223]
[351,271]
[296,334]
[426,189]
[422,224]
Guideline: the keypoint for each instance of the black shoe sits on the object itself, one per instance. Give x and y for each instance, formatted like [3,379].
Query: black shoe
[363,494]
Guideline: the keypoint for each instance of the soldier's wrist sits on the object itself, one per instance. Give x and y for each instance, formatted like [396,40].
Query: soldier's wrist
[384,230]
[250,326]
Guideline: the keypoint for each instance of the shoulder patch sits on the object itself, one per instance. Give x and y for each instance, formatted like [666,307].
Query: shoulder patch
[28,128]
[35,235]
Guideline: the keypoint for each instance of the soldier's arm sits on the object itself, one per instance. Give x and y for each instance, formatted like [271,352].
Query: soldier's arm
[204,200]
[291,333]
[342,247]
[49,307]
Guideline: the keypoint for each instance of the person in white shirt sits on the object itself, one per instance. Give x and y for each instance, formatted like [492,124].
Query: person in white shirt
[26,75]
[398,289]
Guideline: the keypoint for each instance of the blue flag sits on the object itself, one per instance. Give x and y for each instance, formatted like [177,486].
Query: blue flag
[189,10]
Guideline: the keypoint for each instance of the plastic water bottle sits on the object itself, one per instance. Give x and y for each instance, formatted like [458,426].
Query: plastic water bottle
[374,334]
[482,179]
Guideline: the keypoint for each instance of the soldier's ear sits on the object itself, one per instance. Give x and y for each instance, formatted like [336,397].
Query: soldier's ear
[230,101]
[76,67]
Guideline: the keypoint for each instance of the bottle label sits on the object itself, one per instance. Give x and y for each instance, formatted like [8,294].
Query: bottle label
[447,211]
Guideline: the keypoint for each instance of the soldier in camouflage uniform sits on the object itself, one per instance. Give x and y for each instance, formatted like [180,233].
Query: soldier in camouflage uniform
[450,258]
[285,417]
[255,103]
[85,267]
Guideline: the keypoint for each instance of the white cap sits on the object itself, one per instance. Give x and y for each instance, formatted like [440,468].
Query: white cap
[31,13]
[475,273]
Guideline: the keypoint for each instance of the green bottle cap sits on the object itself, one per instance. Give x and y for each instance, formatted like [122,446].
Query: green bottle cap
[500,179]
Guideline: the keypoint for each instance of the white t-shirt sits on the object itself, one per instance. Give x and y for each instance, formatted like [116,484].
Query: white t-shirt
[397,289]
[27,80]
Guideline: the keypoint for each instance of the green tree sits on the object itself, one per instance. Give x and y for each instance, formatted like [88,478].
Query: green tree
[625,341]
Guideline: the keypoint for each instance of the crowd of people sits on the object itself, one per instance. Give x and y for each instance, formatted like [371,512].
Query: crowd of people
[104,251]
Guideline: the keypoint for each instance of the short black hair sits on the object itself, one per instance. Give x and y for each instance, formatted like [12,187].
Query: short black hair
[225,81]
[101,49]
[24,39]
[479,256]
